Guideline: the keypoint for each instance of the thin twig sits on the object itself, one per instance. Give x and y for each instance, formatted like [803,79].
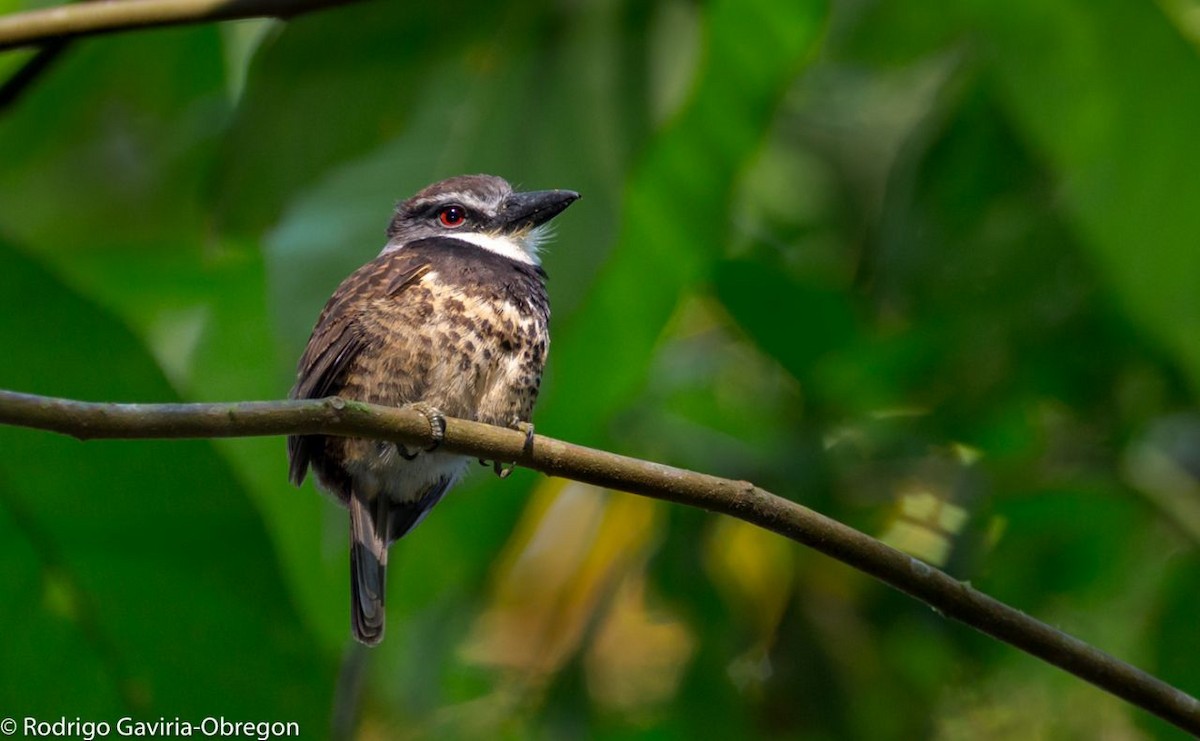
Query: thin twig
[32,70]
[22,80]
[39,27]
[739,499]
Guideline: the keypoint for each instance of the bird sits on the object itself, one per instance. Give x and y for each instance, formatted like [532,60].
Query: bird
[451,318]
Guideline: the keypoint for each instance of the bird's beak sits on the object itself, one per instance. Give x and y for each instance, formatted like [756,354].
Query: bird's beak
[527,210]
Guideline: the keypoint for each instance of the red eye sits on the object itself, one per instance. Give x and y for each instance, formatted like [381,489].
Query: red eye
[452,216]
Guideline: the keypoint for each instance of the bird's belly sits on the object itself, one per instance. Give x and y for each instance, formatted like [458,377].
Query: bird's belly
[378,469]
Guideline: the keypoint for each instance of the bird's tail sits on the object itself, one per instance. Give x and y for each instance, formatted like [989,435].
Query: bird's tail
[368,566]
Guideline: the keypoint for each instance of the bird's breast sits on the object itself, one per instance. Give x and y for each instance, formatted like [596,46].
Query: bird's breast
[472,349]
[492,350]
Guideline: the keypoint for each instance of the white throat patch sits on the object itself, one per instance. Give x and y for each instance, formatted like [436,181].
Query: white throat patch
[521,248]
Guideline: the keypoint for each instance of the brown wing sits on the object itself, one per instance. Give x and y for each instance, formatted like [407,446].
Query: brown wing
[337,340]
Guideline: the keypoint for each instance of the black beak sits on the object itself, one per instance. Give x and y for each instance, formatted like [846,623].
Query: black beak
[527,210]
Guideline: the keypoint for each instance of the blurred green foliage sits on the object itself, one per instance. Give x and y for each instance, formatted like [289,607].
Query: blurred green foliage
[930,269]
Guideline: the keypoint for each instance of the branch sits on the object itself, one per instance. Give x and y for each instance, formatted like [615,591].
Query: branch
[739,499]
[39,27]
[28,73]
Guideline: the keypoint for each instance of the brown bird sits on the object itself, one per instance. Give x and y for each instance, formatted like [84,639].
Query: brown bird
[451,317]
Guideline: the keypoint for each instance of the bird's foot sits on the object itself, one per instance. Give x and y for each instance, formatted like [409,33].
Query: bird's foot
[527,428]
[503,470]
[437,426]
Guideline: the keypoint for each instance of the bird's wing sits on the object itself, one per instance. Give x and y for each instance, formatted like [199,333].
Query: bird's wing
[339,337]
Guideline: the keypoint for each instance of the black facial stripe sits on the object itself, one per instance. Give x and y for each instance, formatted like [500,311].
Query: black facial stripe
[431,210]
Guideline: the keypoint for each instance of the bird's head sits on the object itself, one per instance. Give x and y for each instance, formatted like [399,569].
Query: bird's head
[483,210]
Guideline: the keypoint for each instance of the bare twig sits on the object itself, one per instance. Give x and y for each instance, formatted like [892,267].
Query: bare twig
[739,499]
[39,27]
[32,70]
[29,72]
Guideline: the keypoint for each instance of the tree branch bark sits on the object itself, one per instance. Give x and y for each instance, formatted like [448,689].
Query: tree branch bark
[739,499]
[39,27]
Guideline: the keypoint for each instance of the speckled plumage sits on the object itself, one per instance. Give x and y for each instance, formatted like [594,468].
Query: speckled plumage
[436,320]
[441,322]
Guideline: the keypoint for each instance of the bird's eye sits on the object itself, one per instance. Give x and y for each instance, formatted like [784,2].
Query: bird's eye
[452,216]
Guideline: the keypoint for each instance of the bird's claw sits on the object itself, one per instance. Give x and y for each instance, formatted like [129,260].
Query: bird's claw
[437,426]
[504,470]
[501,469]
[527,428]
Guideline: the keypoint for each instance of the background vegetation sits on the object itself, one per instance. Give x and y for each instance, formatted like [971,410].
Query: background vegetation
[930,269]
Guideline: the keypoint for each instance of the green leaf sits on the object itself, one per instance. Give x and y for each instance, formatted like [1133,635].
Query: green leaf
[675,213]
[340,82]
[796,322]
[1046,555]
[147,557]
[104,133]
[1174,640]
[1109,93]
[108,159]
